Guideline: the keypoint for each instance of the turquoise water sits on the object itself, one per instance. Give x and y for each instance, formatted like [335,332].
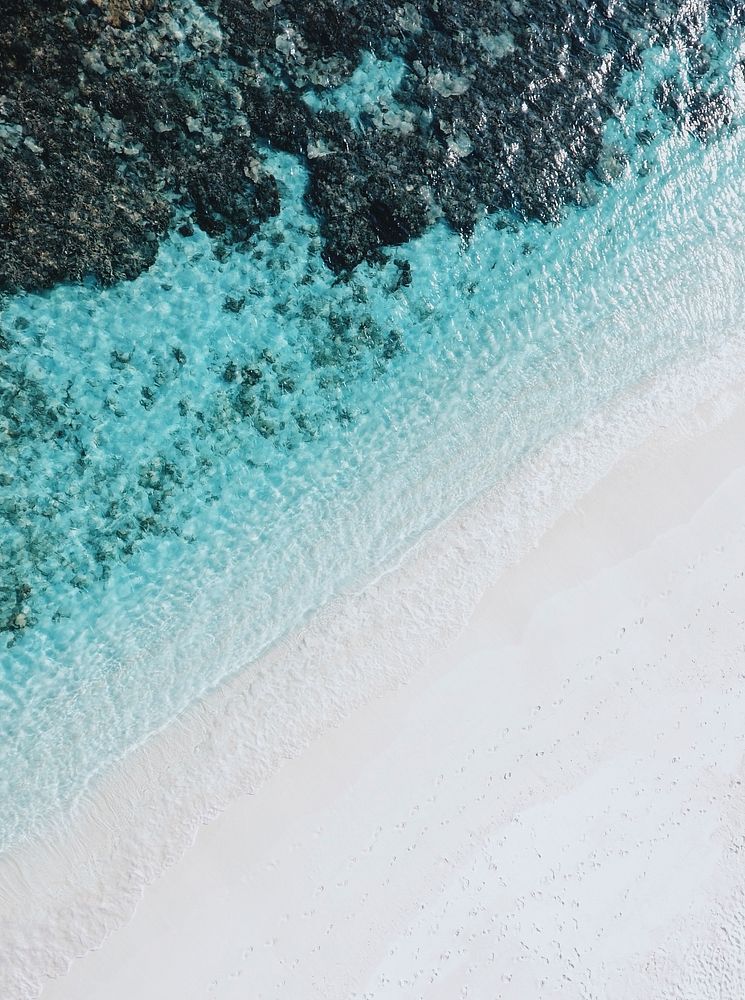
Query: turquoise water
[195,461]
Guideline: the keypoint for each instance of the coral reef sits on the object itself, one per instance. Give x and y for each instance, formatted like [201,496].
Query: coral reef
[118,116]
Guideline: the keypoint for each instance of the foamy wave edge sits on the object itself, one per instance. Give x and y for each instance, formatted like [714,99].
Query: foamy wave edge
[63,894]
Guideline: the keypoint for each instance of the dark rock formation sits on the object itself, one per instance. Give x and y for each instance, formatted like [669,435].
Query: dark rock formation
[119,116]
[107,123]
[501,105]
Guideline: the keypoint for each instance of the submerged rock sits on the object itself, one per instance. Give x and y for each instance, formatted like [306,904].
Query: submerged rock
[115,111]
[708,113]
[106,121]
[121,12]
[233,304]
[67,208]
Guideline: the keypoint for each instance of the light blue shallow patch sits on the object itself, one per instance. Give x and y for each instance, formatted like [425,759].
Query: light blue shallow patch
[370,90]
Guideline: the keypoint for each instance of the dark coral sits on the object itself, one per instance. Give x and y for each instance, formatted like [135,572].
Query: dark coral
[502,104]
[107,124]
[112,125]
[67,209]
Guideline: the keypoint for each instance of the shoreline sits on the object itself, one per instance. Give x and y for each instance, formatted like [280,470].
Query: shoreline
[231,757]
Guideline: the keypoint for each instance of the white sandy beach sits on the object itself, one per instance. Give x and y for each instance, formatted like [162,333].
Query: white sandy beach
[552,806]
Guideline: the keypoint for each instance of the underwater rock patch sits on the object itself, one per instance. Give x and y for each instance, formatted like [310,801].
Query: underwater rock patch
[117,117]
[258,406]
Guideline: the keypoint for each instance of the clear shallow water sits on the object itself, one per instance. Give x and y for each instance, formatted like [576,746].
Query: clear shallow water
[210,452]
